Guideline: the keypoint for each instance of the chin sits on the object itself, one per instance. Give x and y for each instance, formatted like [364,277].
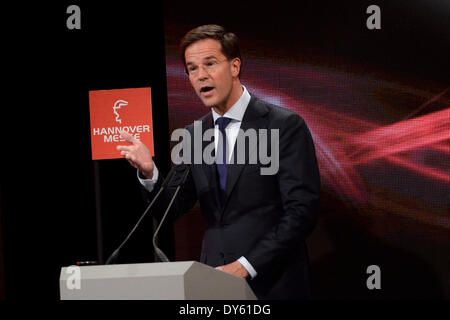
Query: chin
[209,102]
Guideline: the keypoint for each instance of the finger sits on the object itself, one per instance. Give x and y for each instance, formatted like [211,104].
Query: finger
[128,137]
[133,164]
[124,148]
[131,158]
[128,156]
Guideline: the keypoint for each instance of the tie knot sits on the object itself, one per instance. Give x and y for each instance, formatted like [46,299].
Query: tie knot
[222,122]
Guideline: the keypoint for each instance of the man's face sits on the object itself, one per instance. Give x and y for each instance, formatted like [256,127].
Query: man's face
[211,74]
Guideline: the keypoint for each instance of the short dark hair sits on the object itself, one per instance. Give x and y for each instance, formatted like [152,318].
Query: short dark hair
[228,41]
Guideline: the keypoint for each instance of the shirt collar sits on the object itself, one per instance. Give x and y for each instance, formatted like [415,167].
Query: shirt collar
[236,112]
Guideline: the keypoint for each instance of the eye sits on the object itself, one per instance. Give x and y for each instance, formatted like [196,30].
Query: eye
[192,68]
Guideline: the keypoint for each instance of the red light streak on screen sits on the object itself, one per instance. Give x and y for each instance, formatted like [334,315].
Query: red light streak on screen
[344,142]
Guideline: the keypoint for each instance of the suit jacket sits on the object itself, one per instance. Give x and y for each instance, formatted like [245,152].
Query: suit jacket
[265,218]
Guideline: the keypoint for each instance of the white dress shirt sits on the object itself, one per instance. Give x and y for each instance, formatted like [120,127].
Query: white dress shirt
[236,113]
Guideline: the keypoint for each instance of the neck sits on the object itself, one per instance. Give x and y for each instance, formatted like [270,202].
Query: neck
[236,93]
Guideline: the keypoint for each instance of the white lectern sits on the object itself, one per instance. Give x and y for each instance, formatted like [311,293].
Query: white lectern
[187,280]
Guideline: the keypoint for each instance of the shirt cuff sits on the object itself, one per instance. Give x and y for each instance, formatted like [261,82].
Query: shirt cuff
[148,184]
[248,266]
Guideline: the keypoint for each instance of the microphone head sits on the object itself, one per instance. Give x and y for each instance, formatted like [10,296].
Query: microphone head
[180,178]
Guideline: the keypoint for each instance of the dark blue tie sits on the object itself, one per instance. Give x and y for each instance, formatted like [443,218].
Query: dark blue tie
[221,153]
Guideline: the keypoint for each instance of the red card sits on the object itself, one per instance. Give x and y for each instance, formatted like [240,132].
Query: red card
[113,110]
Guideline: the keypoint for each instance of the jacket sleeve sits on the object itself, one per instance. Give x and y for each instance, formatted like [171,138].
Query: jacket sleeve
[299,185]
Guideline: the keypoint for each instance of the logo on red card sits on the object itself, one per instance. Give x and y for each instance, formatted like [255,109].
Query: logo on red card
[118,110]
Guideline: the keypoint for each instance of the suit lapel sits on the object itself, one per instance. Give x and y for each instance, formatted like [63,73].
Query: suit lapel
[253,119]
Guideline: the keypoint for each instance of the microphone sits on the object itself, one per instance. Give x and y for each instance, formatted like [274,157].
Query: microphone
[170,175]
[179,184]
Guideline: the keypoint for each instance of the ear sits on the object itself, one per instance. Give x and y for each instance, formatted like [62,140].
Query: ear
[235,66]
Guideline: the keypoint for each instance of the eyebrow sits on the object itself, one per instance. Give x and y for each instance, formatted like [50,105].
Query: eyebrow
[206,58]
[210,57]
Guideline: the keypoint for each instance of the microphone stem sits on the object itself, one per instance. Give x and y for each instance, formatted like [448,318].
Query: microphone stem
[114,254]
[159,252]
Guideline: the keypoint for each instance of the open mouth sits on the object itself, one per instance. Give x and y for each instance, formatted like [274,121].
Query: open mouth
[206,89]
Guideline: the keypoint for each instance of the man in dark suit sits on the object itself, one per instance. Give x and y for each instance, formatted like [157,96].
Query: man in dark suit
[257,223]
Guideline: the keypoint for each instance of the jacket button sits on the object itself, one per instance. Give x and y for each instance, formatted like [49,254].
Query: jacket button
[221,254]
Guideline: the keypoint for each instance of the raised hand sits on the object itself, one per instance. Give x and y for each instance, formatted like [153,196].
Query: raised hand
[137,154]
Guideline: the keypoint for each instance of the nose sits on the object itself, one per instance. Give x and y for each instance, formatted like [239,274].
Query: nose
[202,73]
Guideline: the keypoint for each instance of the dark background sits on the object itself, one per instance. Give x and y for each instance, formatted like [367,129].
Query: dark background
[48,207]
[48,194]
